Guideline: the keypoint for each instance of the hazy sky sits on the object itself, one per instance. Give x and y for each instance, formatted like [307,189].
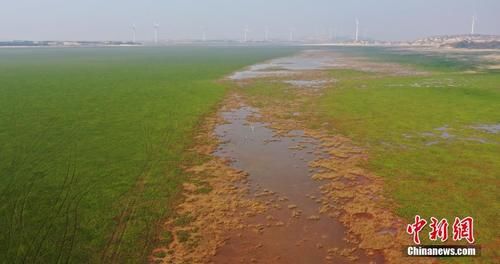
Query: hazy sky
[185,19]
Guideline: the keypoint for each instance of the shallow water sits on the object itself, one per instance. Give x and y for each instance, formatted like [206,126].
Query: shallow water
[490,128]
[307,83]
[285,66]
[292,231]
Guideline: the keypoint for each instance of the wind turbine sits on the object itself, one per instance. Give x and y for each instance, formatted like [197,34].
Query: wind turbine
[357,29]
[157,28]
[290,37]
[245,34]
[204,34]
[473,29]
[134,29]
[266,34]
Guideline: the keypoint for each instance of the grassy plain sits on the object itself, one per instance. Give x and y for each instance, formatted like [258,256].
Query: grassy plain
[421,134]
[91,141]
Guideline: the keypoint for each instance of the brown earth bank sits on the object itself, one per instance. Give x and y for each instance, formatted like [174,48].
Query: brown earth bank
[271,187]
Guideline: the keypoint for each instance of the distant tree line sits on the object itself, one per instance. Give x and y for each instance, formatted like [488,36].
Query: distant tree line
[30,43]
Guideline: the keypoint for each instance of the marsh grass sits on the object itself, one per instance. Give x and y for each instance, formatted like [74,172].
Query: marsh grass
[91,143]
[390,116]
[442,62]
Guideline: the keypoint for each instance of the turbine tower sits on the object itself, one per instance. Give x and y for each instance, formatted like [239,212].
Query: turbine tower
[473,29]
[245,34]
[266,34]
[134,29]
[157,28]
[204,34]
[290,37]
[357,29]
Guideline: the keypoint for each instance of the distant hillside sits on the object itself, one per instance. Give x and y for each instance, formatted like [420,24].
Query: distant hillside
[466,44]
[461,41]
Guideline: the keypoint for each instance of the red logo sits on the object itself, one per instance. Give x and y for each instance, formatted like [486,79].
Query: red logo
[462,229]
[439,229]
[415,228]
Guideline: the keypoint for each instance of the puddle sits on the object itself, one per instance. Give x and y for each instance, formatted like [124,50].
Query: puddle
[432,143]
[292,230]
[489,128]
[442,135]
[446,135]
[430,83]
[308,83]
[443,128]
[436,83]
[286,66]
[255,74]
[480,140]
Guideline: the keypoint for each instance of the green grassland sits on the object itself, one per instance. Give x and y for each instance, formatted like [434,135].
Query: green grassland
[419,131]
[91,141]
[439,62]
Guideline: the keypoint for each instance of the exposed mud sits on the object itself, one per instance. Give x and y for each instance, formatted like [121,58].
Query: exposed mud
[316,61]
[287,66]
[354,197]
[282,192]
[215,204]
[292,230]
[348,194]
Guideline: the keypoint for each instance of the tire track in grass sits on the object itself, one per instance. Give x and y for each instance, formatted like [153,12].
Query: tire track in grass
[165,142]
[112,247]
[112,250]
[23,206]
[17,224]
[69,184]
[51,225]
[17,215]
[61,205]
[75,224]
[67,214]
[64,237]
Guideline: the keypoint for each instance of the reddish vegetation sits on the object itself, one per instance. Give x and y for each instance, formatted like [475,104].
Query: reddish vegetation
[240,222]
